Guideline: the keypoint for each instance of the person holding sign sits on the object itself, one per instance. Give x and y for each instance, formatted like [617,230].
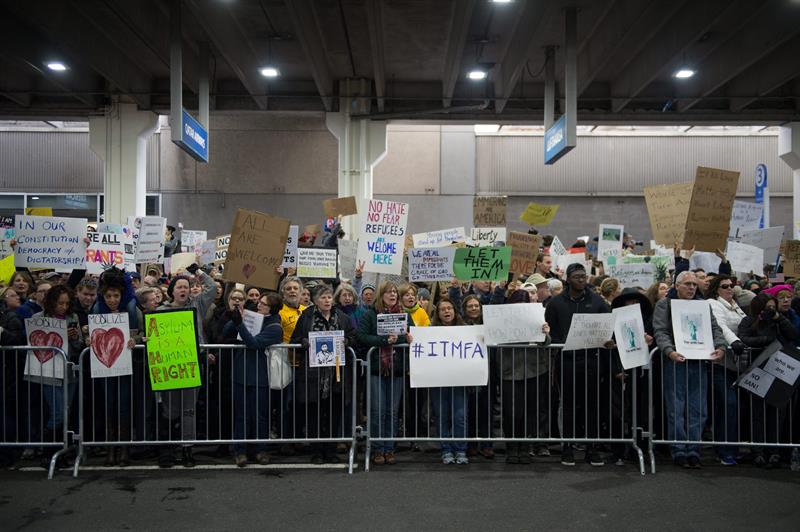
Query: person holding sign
[418,317]
[472,313]
[685,381]
[319,391]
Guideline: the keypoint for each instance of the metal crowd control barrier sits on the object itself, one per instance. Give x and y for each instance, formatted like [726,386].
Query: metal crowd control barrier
[32,388]
[535,394]
[697,403]
[273,399]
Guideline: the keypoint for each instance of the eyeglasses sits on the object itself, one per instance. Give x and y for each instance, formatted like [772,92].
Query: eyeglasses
[785,298]
[725,286]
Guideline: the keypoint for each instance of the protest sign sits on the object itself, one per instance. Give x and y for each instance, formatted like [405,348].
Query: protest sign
[708,262]
[790,250]
[389,324]
[633,275]
[629,336]
[668,207]
[221,253]
[745,258]
[348,249]
[39,211]
[50,242]
[326,348]
[769,239]
[172,349]
[253,321]
[757,381]
[435,239]
[316,262]
[486,236]
[709,216]
[513,324]
[257,245]
[482,264]
[5,248]
[42,365]
[382,239]
[148,238]
[563,261]
[537,214]
[7,269]
[430,264]
[6,235]
[108,340]
[180,261]
[524,251]
[104,251]
[745,217]
[489,211]
[784,367]
[207,250]
[290,253]
[557,248]
[589,331]
[609,241]
[335,206]
[448,356]
[191,240]
[691,328]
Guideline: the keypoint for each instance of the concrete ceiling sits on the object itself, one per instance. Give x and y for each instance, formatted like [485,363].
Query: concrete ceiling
[413,55]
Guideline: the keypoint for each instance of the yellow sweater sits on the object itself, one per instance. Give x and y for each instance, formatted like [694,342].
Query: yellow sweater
[419,317]
[289,317]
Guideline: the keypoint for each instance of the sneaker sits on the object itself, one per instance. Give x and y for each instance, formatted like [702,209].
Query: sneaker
[595,459]
[759,461]
[448,458]
[241,460]
[389,458]
[543,451]
[568,457]
[774,461]
[693,462]
[187,457]
[378,459]
[679,461]
[461,459]
[262,458]
[728,461]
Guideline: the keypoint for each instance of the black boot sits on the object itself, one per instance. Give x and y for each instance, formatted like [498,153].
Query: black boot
[187,458]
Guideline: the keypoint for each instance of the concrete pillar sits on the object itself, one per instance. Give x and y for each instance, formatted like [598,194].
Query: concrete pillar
[120,138]
[789,151]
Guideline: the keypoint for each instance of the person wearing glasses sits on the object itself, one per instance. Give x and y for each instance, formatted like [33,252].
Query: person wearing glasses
[783,294]
[724,373]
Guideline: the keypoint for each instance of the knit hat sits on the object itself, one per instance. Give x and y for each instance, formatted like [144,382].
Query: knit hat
[773,291]
[575,266]
[368,285]
[174,280]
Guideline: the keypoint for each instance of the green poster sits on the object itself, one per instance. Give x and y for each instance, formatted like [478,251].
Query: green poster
[172,350]
[482,264]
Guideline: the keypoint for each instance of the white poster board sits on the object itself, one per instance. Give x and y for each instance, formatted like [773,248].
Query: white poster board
[691,328]
[389,324]
[557,249]
[43,365]
[207,250]
[104,251]
[589,331]
[326,348]
[706,260]
[629,336]
[513,324]
[435,239]
[316,262]
[745,258]
[431,264]
[745,216]
[486,236]
[562,262]
[768,239]
[348,250]
[783,366]
[609,241]
[108,337]
[253,321]
[757,381]
[382,239]
[148,238]
[50,242]
[290,254]
[448,356]
[633,275]
[192,239]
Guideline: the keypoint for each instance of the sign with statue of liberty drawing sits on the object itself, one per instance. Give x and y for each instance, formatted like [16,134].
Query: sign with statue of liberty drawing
[691,327]
[629,336]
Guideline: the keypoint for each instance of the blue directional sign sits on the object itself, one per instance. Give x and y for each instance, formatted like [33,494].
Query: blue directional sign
[762,191]
[194,137]
[555,141]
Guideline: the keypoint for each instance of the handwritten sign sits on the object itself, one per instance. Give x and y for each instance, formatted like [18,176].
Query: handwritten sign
[524,251]
[489,211]
[43,364]
[290,253]
[382,239]
[709,216]
[516,323]
[253,321]
[257,246]
[668,207]
[629,336]
[316,262]
[768,239]
[192,239]
[50,242]
[108,340]
[180,261]
[104,251]
[389,324]
[563,261]
[348,250]
[326,348]
[448,356]
[589,331]
[784,367]
[745,216]
[207,250]
[435,239]
[482,264]
[538,214]
[791,257]
[757,381]
[745,258]
[336,206]
[431,264]
[691,328]
[557,249]
[486,236]
[172,350]
[609,241]
[633,275]
[148,238]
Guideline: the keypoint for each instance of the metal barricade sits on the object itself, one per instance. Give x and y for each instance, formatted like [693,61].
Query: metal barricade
[246,399]
[535,395]
[37,390]
[697,403]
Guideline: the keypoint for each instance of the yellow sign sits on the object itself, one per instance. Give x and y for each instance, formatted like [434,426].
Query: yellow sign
[39,211]
[536,214]
[7,269]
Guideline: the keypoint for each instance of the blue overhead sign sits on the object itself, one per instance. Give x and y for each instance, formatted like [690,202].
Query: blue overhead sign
[555,141]
[194,137]
[762,193]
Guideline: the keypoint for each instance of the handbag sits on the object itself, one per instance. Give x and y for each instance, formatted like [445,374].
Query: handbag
[280,371]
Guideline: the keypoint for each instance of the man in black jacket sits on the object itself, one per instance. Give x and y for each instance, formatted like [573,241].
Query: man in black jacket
[581,373]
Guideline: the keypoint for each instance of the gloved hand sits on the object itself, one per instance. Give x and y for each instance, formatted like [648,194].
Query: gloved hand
[236,317]
[738,347]
[193,269]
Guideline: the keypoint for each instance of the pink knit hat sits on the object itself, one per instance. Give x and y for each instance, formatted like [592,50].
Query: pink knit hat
[779,288]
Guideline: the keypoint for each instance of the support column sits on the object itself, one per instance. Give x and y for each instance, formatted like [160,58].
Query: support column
[789,151]
[120,139]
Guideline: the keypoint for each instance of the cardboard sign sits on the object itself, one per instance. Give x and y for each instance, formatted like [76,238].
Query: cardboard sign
[316,262]
[537,214]
[482,264]
[436,239]
[148,238]
[489,211]
[389,324]
[326,348]
[42,364]
[745,217]
[486,236]
[633,275]
[336,206]
[253,321]
[382,238]
[629,336]
[524,251]
[172,350]
[745,258]
[290,253]
[513,324]
[348,250]
[104,251]
[668,207]
[50,242]
[769,239]
[589,331]
[709,217]
[791,257]
[108,341]
[180,261]
[691,328]
[431,264]
[257,245]
[609,241]
[448,356]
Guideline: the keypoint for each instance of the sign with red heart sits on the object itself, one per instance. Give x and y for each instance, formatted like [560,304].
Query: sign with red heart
[45,332]
[108,339]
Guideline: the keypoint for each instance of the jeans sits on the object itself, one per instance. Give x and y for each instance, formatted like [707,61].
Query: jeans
[726,411]
[685,389]
[54,397]
[450,405]
[250,407]
[386,394]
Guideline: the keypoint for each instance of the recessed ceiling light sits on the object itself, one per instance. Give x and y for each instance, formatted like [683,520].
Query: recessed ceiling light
[684,73]
[34,197]
[269,72]
[502,1]
[487,128]
[477,75]
[56,66]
